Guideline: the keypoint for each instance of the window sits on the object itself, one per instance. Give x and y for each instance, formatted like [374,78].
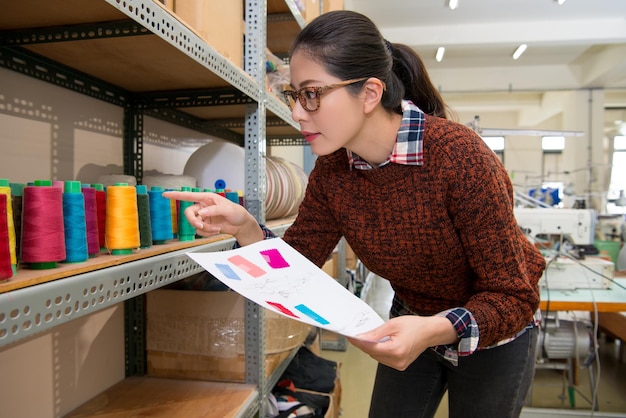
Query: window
[618,173]
[552,158]
[553,143]
[496,143]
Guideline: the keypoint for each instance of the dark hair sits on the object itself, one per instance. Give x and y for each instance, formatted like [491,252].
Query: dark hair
[349,45]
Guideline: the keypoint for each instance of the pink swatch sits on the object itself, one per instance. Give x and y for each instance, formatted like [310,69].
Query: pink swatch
[274,259]
[247,266]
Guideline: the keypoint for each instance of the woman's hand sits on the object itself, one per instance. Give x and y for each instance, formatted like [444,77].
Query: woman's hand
[399,341]
[212,214]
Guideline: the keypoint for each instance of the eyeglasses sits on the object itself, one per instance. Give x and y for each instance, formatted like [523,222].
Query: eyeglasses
[309,97]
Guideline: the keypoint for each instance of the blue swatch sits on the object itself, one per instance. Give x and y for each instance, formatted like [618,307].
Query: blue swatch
[227,271]
[311,314]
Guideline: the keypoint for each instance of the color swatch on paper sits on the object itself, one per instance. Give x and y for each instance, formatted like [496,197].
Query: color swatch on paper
[274,258]
[227,271]
[247,266]
[282,309]
[311,314]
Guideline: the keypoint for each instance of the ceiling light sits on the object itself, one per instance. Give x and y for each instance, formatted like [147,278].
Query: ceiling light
[440,51]
[453,4]
[519,51]
[560,2]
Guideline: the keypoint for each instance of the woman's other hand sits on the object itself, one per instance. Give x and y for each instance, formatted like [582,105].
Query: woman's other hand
[399,341]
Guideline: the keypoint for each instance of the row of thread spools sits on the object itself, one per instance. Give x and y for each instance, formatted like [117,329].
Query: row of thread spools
[44,223]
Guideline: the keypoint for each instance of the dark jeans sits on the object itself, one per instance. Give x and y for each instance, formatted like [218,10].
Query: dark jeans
[490,383]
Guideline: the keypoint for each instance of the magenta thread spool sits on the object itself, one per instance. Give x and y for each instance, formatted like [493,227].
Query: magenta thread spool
[43,233]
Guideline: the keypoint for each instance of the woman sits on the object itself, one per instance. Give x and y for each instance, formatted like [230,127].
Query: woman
[424,203]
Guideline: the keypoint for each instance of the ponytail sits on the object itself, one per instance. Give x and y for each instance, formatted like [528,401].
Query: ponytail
[350,46]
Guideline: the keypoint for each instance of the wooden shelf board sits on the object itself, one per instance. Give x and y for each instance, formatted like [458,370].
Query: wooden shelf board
[168,398]
[28,14]
[138,64]
[26,277]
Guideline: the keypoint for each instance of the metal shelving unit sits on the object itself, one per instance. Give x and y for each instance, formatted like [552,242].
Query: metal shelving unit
[59,48]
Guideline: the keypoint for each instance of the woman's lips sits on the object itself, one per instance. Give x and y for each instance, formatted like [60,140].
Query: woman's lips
[310,136]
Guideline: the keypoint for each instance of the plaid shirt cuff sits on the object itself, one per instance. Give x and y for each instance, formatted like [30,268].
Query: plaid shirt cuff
[267,234]
[466,329]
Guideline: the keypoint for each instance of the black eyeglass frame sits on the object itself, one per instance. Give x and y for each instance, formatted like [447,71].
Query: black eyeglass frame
[317,93]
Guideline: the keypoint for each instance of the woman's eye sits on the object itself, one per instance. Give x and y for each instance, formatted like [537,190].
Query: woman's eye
[309,94]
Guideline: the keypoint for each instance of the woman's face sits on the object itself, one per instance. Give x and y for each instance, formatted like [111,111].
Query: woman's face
[339,118]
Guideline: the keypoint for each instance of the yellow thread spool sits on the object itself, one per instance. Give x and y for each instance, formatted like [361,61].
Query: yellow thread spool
[5,189]
[122,219]
[174,209]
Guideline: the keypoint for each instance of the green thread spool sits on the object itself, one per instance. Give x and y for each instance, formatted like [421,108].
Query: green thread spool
[143,207]
[186,232]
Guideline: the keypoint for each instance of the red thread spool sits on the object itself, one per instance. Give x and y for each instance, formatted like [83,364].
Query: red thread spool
[91,220]
[43,233]
[101,211]
[6,268]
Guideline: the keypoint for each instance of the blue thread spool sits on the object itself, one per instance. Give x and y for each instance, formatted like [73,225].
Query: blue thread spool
[74,219]
[160,216]
[233,197]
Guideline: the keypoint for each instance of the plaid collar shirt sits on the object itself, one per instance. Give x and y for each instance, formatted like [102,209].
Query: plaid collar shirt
[408,149]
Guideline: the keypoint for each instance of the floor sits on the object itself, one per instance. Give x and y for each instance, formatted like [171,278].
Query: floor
[550,389]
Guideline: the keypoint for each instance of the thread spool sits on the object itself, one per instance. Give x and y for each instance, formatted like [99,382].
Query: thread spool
[91,220]
[101,212]
[113,179]
[174,206]
[143,208]
[122,222]
[6,269]
[160,216]
[186,232]
[17,190]
[75,225]
[5,189]
[233,197]
[43,234]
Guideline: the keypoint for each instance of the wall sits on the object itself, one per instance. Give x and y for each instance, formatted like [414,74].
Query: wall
[47,132]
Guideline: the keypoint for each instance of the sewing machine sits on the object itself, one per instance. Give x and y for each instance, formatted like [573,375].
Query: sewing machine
[575,225]
[575,230]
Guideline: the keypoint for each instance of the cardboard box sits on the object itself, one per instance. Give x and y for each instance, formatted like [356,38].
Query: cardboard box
[330,267]
[311,10]
[351,258]
[330,5]
[201,335]
[219,23]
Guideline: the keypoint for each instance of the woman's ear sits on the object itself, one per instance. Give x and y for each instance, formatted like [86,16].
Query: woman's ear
[374,89]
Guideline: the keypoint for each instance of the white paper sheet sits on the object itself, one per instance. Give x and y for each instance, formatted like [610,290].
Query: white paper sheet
[277,277]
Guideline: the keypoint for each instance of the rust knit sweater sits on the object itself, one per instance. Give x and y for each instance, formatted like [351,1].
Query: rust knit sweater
[443,233]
